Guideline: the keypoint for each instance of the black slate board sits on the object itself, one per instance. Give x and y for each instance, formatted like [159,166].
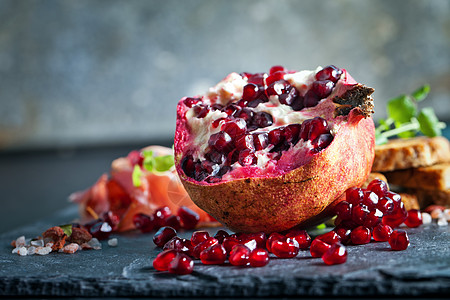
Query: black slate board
[126,271]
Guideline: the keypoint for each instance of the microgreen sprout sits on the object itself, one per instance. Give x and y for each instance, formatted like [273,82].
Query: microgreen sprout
[152,163]
[404,120]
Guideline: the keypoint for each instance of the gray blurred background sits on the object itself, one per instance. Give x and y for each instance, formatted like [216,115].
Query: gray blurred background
[91,74]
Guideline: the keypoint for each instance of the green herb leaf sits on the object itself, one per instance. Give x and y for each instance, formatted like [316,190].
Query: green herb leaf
[163,163]
[136,176]
[421,93]
[401,109]
[429,123]
[321,226]
[67,229]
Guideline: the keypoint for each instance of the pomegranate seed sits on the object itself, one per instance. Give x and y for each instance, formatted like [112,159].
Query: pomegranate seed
[163,259]
[143,222]
[300,236]
[386,205]
[337,254]
[318,248]
[189,102]
[276,69]
[286,248]
[276,136]
[234,128]
[273,77]
[290,97]
[330,237]
[397,217]
[360,235]
[250,92]
[378,186]
[163,235]
[229,243]
[200,111]
[181,265]
[241,104]
[245,142]
[277,88]
[322,88]
[180,245]
[221,235]
[399,240]
[359,214]
[100,230]
[298,103]
[317,126]
[239,255]
[273,237]
[370,199]
[245,114]
[414,218]
[261,140]
[381,233]
[112,219]
[258,258]
[354,196]
[188,166]
[291,133]
[262,119]
[329,73]
[160,216]
[322,141]
[259,238]
[247,158]
[344,233]
[230,109]
[189,218]
[310,99]
[343,210]
[221,142]
[209,242]
[135,157]
[214,255]
[217,106]
[174,222]
[198,237]
[373,218]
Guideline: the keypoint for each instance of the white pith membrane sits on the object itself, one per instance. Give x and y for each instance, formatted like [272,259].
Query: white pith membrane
[230,90]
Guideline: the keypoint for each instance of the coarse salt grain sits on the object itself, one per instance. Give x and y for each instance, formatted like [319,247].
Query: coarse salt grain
[31,250]
[22,251]
[20,241]
[113,242]
[95,244]
[15,250]
[446,213]
[43,250]
[426,218]
[71,248]
[436,213]
[442,222]
[37,243]
[49,245]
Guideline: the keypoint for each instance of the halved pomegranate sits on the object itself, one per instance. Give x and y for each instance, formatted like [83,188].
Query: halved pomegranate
[266,152]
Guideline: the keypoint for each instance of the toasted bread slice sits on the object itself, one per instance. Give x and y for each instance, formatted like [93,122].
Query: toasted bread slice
[401,154]
[373,176]
[410,201]
[436,177]
[430,197]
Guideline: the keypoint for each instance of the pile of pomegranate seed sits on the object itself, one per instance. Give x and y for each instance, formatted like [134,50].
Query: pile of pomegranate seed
[185,218]
[246,129]
[366,214]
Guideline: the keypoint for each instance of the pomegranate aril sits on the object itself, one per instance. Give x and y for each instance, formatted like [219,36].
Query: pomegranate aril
[179,244]
[221,142]
[322,88]
[344,233]
[414,218]
[373,218]
[359,214]
[317,126]
[163,235]
[289,97]
[204,245]
[174,222]
[214,255]
[258,258]
[245,114]
[322,141]
[370,199]
[329,73]
[163,259]
[354,196]
[273,77]
[276,69]
[360,235]
[189,218]
[188,166]
[337,254]
[330,237]
[273,237]
[254,103]
[229,242]
[217,106]
[257,78]
[378,186]
[262,119]
[397,217]
[259,237]
[297,103]
[245,142]
[399,240]
[160,216]
[215,157]
[277,88]
[198,237]
[276,136]
[386,205]
[291,133]
[181,265]
[250,91]
[247,158]
[310,99]
[143,222]
[100,230]
[235,128]
[286,248]
[343,210]
[394,196]
[239,255]
[112,219]
[221,235]
[230,109]
[260,140]
[300,236]
[190,102]
[381,233]
[200,111]
[318,248]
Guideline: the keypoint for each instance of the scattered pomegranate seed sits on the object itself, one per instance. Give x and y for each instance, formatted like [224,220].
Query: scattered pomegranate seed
[336,254]
[181,265]
[239,255]
[163,259]
[381,233]
[189,218]
[300,236]
[214,255]
[318,248]
[286,248]
[229,243]
[174,222]
[209,242]
[198,237]
[258,258]
[414,218]
[163,235]
[221,235]
[330,237]
[180,245]
[101,230]
[273,237]
[143,222]
[160,216]
[399,240]
[378,186]
[360,235]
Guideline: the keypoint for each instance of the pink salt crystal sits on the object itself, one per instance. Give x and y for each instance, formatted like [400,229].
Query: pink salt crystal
[70,248]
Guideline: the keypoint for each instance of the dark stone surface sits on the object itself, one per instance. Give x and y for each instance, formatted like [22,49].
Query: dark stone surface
[126,271]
